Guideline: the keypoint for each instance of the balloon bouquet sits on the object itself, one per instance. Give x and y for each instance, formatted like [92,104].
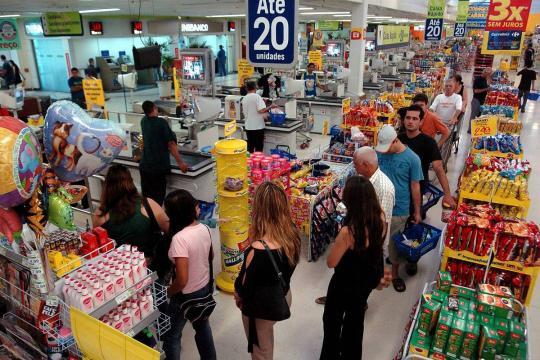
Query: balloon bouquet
[76,146]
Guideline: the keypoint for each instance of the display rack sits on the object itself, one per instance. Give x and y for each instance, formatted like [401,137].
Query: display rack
[14,257]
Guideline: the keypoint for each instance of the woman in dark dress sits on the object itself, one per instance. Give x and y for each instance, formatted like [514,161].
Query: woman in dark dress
[357,257]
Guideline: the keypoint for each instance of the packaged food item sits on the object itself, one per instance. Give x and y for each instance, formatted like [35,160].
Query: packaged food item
[428,316]
[488,343]
[452,303]
[444,281]
[442,331]
[439,296]
[436,355]
[419,344]
[486,319]
[501,291]
[501,326]
[462,292]
[516,337]
[470,341]
[455,339]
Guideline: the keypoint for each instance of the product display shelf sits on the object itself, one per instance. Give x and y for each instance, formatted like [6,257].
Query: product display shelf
[523,204]
[497,154]
[70,267]
[14,257]
[120,298]
[144,323]
[21,337]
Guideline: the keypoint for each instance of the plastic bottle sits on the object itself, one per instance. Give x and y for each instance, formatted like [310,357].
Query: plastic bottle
[150,298]
[142,264]
[65,288]
[135,313]
[86,301]
[144,306]
[128,274]
[136,269]
[119,281]
[127,321]
[98,294]
[117,323]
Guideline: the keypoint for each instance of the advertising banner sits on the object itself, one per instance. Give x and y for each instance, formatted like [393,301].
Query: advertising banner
[328,25]
[62,23]
[434,20]
[503,43]
[461,18]
[245,71]
[477,15]
[93,93]
[392,36]
[507,15]
[9,34]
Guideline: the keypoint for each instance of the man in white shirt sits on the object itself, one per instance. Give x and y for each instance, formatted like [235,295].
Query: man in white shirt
[254,109]
[448,105]
[366,164]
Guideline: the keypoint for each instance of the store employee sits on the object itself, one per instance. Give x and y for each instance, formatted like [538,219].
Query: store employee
[254,109]
[311,82]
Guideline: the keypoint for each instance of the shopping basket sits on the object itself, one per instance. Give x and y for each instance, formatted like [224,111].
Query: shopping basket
[425,235]
[284,151]
[533,96]
[432,194]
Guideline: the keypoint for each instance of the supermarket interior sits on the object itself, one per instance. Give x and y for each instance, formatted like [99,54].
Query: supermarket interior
[204,180]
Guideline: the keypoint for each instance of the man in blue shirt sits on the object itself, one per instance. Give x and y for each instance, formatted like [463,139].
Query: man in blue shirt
[311,82]
[222,61]
[76,88]
[404,169]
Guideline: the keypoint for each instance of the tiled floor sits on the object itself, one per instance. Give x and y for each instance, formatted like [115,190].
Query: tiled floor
[299,338]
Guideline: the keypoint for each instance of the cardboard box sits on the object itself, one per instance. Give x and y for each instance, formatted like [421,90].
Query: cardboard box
[439,296]
[455,339]
[485,319]
[488,343]
[486,303]
[419,344]
[436,355]
[429,313]
[501,291]
[471,317]
[461,314]
[442,331]
[504,308]
[516,336]
[464,304]
[470,341]
[444,281]
[501,326]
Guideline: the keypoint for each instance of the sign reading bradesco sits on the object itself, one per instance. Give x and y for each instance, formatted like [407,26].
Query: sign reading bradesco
[62,24]
[272,33]
[9,35]
[392,36]
[461,18]
[434,21]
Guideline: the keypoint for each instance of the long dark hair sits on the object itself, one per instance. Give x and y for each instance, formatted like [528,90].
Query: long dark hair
[119,195]
[181,208]
[364,215]
[15,67]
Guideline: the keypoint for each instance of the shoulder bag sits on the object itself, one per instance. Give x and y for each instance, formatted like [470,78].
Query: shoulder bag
[200,308]
[268,302]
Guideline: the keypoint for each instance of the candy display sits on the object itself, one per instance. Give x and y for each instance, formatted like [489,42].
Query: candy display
[502,98]
[506,144]
[509,126]
[269,168]
[361,116]
[379,105]
[502,88]
[507,111]
[345,141]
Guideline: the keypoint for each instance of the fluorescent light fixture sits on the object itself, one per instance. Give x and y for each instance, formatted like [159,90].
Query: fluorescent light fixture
[98,10]
[342,15]
[325,13]
[305,8]
[225,16]
[346,20]
[382,17]
[9,16]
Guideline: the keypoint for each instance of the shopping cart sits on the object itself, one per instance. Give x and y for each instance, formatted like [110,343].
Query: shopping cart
[416,240]
[301,135]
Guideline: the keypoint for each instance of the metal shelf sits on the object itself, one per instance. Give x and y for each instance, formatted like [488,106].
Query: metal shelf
[120,298]
[14,257]
[143,324]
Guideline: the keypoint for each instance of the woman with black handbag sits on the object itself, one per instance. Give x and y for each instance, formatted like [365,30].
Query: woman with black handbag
[192,286]
[263,285]
[357,257]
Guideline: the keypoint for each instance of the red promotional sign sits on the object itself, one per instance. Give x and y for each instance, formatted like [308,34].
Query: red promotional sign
[506,15]
[357,34]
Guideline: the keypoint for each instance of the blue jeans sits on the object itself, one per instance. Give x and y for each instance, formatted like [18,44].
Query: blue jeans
[203,333]
[222,69]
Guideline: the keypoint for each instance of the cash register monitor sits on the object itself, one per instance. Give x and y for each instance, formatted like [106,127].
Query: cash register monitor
[335,50]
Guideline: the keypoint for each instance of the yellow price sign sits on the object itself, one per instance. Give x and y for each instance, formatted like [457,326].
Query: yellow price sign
[229,128]
[245,71]
[484,127]
[346,106]
[325,127]
[177,86]
[93,93]
[316,58]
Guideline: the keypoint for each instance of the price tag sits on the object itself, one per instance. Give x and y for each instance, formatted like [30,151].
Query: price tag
[52,301]
[123,297]
[229,128]
[484,127]
[130,333]
[346,106]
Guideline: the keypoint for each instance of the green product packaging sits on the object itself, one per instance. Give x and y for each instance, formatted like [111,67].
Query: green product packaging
[471,316]
[504,308]
[444,281]
[462,292]
[437,295]
[501,326]
[470,341]
[419,344]
[461,314]
[455,339]
[464,304]
[442,332]
[488,343]
[473,305]
[428,316]
[485,319]
[516,336]
[437,355]
[486,304]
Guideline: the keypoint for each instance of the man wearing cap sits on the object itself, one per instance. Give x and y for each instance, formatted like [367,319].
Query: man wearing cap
[404,169]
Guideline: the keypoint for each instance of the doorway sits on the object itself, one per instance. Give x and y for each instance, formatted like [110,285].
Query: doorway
[52,60]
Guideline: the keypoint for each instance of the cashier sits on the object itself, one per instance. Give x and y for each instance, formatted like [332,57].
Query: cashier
[311,82]
[254,109]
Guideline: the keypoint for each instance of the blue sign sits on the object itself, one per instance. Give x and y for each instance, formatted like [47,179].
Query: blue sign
[459,30]
[504,40]
[433,29]
[272,33]
[477,16]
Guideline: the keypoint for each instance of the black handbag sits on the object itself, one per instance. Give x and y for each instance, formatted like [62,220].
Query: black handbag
[201,308]
[267,302]
[159,261]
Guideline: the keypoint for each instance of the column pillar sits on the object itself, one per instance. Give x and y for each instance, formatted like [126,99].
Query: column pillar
[357,51]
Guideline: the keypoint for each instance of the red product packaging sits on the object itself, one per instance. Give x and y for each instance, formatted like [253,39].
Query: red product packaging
[49,316]
[103,239]
[90,241]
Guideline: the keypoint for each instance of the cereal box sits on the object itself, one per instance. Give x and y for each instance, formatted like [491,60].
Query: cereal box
[428,316]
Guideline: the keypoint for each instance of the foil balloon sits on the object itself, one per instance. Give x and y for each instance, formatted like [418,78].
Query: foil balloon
[35,216]
[78,146]
[20,162]
[60,211]
[10,224]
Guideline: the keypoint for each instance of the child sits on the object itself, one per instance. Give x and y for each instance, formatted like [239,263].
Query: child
[528,76]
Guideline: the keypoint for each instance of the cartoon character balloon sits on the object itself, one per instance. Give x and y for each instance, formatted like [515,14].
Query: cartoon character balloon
[77,145]
[20,162]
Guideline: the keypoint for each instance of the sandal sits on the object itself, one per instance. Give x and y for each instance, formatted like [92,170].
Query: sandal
[399,284]
[321,300]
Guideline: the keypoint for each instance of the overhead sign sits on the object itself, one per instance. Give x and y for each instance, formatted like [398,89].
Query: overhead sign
[476,18]
[9,34]
[459,30]
[329,25]
[318,37]
[436,9]
[434,20]
[62,24]
[503,43]
[461,18]
[272,33]
[201,26]
[506,15]
[392,36]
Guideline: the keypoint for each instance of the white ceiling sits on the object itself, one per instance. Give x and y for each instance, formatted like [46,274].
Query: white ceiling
[412,9]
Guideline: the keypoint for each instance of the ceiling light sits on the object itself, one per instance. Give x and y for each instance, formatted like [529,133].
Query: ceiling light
[382,17]
[346,20]
[342,15]
[98,10]
[305,8]
[225,16]
[325,13]
[9,16]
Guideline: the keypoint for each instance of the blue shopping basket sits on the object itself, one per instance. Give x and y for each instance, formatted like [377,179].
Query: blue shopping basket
[533,96]
[433,194]
[427,235]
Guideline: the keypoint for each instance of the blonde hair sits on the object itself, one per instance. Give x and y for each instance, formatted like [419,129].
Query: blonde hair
[271,219]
